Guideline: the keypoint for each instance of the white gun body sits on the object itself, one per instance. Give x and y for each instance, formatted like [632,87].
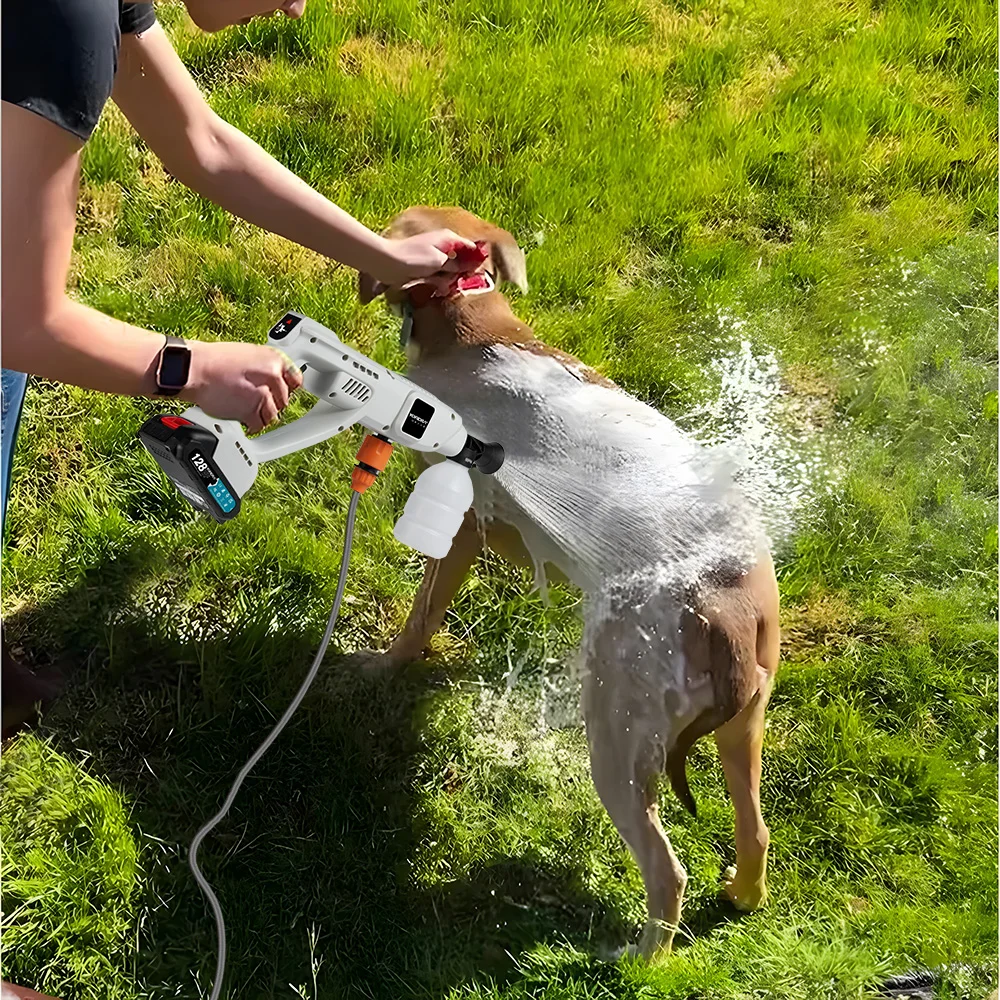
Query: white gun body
[350,389]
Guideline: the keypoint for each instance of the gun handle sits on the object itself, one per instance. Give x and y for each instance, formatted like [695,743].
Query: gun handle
[321,422]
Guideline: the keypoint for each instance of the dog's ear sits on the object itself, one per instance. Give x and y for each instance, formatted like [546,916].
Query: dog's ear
[509,259]
[369,288]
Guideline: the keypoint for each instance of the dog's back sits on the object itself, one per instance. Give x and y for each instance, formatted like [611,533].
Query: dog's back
[598,483]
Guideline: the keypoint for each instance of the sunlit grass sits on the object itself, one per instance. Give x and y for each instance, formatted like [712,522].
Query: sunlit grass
[822,177]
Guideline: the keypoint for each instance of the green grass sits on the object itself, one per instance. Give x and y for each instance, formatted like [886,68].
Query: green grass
[823,171]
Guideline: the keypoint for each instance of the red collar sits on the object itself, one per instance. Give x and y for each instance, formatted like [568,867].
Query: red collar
[464,284]
[474,279]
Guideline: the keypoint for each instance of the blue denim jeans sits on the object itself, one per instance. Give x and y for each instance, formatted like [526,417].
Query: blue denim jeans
[12,389]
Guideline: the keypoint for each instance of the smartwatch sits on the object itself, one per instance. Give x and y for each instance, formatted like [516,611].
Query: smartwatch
[173,367]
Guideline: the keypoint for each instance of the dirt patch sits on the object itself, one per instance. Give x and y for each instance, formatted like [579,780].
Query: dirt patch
[280,254]
[391,65]
[98,205]
[746,96]
[825,623]
[811,400]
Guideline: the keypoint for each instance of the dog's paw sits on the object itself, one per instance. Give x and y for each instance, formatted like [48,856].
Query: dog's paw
[657,940]
[742,893]
[607,953]
[655,944]
[374,662]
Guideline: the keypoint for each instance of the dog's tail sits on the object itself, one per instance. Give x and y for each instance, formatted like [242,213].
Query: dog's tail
[726,643]
[676,763]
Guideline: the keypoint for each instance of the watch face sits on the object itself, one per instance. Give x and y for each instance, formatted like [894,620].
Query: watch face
[175,363]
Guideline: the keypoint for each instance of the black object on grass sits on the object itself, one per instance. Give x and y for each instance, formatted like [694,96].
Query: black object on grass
[916,985]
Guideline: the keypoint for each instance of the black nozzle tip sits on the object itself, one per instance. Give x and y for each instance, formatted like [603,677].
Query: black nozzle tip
[486,457]
[491,458]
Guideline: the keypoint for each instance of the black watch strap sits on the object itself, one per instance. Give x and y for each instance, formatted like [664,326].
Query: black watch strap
[173,366]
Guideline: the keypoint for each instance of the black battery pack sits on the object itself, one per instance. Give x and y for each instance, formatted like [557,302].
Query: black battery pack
[184,451]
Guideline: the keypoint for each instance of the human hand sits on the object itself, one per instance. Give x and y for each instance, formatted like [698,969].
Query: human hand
[246,382]
[212,15]
[421,256]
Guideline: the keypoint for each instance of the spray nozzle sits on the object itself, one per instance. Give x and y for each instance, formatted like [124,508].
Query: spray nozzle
[486,457]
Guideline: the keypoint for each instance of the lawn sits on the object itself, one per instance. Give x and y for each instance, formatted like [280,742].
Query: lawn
[799,197]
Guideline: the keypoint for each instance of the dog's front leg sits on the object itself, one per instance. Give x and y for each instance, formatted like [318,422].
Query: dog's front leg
[442,578]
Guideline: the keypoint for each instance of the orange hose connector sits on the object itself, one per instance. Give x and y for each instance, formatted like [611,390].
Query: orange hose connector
[372,457]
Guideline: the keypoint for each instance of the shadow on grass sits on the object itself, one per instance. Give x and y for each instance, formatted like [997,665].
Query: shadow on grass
[703,915]
[324,835]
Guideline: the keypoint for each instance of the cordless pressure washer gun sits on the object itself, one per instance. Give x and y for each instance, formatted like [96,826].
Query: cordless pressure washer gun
[213,463]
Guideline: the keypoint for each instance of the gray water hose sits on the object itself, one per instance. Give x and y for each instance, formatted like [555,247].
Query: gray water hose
[213,901]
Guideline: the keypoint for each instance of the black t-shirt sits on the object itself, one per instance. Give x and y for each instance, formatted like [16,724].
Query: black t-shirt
[60,57]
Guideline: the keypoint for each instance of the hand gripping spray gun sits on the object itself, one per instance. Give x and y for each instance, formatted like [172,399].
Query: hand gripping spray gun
[213,464]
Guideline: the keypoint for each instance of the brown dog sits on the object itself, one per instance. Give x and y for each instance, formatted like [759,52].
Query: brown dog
[661,669]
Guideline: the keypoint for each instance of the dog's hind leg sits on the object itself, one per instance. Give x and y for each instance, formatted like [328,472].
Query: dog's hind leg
[739,742]
[627,786]
[442,578]
[633,809]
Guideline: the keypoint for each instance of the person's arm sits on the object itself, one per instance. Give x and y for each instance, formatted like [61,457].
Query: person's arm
[48,334]
[158,96]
